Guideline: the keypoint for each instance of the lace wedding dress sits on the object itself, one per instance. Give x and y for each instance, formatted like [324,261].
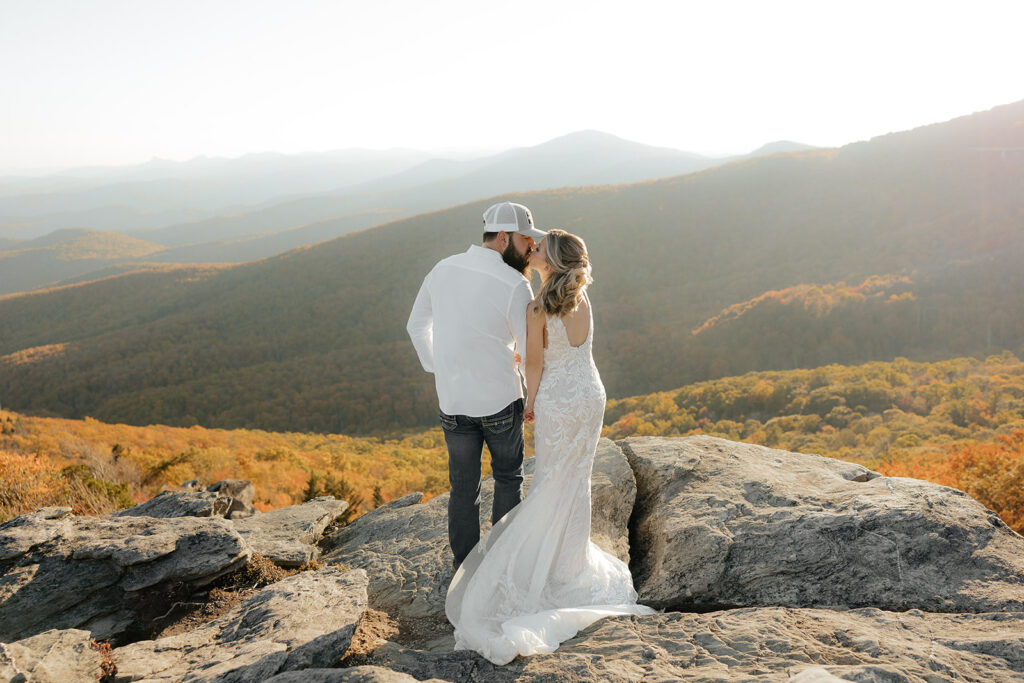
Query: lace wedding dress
[536,578]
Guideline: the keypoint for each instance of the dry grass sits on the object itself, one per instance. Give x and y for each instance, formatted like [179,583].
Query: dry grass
[107,665]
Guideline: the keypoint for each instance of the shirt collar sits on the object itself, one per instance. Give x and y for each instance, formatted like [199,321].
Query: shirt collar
[484,252]
[487,253]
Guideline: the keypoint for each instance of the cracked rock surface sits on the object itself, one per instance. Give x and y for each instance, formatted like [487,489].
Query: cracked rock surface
[721,523]
[53,656]
[755,644]
[61,571]
[288,536]
[304,621]
[403,546]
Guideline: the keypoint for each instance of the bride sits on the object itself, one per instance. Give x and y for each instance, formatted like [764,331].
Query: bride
[536,578]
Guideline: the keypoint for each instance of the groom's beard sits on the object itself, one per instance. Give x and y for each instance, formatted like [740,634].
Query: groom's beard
[515,259]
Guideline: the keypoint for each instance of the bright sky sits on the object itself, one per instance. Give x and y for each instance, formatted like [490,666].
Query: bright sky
[110,82]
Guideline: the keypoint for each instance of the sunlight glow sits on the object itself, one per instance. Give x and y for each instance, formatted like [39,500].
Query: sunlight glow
[122,81]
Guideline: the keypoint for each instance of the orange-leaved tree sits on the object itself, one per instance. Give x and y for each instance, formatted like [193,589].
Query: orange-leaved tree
[994,474]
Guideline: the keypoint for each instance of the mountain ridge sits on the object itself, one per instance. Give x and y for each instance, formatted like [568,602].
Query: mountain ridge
[314,338]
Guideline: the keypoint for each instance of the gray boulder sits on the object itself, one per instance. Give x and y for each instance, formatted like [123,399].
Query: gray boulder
[305,621]
[288,536]
[179,503]
[404,549]
[240,492]
[754,644]
[61,571]
[51,657]
[720,523]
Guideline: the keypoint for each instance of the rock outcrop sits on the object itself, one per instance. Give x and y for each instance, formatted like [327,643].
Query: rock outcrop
[51,657]
[289,536]
[404,549]
[60,571]
[721,523]
[304,621]
[775,566]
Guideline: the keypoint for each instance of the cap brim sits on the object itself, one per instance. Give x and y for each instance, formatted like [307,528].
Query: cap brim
[534,233]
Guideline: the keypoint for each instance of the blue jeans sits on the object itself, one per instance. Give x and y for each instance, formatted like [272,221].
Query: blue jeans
[465,437]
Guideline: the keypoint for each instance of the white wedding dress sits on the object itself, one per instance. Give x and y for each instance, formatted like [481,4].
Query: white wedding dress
[536,578]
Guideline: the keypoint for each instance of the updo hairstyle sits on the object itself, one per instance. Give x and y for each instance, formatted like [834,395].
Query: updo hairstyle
[567,256]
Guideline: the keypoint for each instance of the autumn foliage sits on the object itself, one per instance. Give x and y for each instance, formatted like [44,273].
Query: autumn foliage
[994,474]
[97,467]
[820,300]
[957,422]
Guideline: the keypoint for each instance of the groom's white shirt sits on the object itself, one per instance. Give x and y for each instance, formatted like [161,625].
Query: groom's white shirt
[469,316]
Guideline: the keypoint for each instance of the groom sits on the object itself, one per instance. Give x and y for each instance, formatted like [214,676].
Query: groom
[468,317]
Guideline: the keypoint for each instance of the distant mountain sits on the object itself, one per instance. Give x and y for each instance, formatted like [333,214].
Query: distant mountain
[367,195]
[583,158]
[778,147]
[201,186]
[28,264]
[314,339]
[588,156]
[111,218]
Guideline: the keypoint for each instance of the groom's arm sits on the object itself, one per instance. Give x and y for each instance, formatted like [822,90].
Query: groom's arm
[421,326]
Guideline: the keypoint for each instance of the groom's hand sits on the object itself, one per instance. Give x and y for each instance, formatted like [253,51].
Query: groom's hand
[519,359]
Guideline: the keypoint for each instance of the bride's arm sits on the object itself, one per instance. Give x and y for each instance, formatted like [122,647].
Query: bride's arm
[535,323]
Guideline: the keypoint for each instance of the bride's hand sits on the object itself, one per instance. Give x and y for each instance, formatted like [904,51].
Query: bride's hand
[528,414]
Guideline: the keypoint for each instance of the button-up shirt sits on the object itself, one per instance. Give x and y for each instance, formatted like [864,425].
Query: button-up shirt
[468,319]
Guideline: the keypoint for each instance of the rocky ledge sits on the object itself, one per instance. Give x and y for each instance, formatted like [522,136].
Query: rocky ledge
[769,565]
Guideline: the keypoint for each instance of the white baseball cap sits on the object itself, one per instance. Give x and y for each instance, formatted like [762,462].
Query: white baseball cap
[510,217]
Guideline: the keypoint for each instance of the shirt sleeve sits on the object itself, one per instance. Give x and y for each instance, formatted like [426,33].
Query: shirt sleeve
[421,326]
[522,295]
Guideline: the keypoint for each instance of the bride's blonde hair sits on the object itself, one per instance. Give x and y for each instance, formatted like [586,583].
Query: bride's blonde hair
[567,256]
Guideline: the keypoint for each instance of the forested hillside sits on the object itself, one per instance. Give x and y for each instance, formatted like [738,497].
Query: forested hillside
[910,244]
[28,264]
[956,422]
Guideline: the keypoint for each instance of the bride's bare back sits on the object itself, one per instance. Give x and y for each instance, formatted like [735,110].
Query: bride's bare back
[577,323]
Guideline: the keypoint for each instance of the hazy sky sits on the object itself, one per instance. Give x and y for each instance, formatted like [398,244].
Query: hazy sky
[102,82]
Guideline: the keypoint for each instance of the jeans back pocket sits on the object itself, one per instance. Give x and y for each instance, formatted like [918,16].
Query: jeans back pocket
[501,421]
[448,422]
